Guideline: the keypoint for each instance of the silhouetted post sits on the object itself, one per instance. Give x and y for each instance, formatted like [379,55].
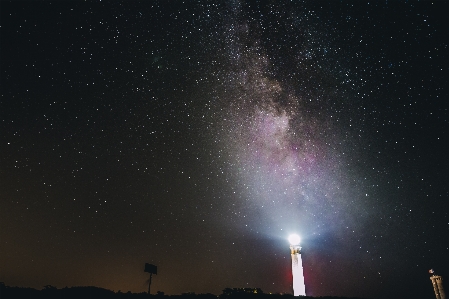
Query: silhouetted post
[152,269]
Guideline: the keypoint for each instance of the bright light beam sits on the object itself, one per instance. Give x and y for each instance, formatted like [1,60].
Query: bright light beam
[294,239]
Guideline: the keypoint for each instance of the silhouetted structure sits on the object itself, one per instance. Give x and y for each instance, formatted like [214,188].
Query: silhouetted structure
[152,269]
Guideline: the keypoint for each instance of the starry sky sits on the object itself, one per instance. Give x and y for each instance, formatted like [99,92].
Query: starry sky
[197,135]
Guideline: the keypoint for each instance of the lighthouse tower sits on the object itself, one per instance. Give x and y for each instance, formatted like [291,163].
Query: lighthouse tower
[437,282]
[299,288]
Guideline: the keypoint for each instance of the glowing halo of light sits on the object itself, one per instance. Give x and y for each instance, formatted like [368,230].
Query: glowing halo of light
[294,239]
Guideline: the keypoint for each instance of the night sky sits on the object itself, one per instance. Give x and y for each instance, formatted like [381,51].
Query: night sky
[197,136]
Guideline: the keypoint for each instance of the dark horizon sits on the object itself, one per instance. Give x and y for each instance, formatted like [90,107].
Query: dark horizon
[49,291]
[198,136]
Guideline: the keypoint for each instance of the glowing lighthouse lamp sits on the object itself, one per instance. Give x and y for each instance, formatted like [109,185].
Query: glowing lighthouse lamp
[299,288]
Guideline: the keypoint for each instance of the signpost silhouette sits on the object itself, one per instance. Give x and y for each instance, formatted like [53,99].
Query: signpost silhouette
[152,269]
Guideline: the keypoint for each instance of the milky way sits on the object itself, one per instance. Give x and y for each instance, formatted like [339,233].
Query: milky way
[289,168]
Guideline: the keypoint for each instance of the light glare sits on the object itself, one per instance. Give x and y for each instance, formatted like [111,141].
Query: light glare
[294,239]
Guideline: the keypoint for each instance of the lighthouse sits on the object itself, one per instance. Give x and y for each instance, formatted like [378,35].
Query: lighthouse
[299,288]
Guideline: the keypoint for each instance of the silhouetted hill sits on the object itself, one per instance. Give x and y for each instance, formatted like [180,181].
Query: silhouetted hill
[50,292]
